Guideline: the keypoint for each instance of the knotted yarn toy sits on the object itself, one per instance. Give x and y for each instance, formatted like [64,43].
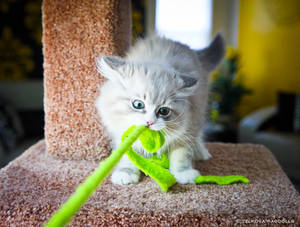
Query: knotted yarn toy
[155,167]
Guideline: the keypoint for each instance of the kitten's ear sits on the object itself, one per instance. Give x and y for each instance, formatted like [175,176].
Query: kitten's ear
[188,85]
[188,81]
[211,56]
[109,67]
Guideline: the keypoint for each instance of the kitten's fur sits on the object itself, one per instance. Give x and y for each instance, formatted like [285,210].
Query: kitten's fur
[160,73]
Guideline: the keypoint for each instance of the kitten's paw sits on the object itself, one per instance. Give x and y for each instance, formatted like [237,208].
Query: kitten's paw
[187,176]
[125,176]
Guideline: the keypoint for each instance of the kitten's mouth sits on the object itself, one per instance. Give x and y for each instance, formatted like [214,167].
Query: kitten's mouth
[155,127]
[151,128]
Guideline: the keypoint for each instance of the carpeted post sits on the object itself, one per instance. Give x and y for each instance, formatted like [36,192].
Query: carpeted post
[74,34]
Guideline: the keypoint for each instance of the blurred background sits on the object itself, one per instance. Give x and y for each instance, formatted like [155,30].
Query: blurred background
[255,92]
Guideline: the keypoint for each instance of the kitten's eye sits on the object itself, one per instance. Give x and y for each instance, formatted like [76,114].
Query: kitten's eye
[138,104]
[164,111]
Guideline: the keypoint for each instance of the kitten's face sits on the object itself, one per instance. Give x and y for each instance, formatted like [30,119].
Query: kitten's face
[146,95]
[150,99]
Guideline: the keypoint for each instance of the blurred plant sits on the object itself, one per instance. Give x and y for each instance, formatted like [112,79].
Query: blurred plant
[138,19]
[227,88]
[4,5]
[33,20]
[15,57]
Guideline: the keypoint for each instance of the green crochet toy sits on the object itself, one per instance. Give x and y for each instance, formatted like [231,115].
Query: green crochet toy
[155,167]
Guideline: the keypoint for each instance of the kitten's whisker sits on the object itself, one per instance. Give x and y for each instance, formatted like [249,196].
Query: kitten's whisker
[175,119]
[183,139]
[183,136]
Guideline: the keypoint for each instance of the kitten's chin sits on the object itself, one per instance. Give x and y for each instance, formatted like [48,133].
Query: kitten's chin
[156,127]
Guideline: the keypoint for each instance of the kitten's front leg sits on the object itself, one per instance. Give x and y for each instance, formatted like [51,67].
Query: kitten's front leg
[202,153]
[125,172]
[181,166]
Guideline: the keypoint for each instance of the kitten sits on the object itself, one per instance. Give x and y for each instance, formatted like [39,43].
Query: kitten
[162,84]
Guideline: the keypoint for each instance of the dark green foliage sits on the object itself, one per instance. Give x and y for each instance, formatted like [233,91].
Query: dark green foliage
[227,91]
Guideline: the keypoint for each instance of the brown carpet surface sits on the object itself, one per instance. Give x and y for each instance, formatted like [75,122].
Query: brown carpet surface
[74,34]
[35,184]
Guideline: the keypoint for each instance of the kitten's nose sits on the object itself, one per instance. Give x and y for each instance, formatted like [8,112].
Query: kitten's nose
[149,123]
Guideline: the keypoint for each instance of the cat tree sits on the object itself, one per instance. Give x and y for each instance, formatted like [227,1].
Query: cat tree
[74,34]
[34,185]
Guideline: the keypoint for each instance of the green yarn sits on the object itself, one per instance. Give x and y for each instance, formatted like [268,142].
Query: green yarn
[161,175]
[161,160]
[151,140]
[156,167]
[221,180]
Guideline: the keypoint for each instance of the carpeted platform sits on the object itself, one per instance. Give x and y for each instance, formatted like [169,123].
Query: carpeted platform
[35,184]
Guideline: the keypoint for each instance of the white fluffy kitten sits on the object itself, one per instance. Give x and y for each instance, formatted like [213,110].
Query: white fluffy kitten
[162,84]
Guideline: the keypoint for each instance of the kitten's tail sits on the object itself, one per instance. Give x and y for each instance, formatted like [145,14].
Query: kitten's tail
[211,56]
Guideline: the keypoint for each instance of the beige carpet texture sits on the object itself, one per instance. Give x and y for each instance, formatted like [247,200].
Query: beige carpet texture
[74,34]
[33,186]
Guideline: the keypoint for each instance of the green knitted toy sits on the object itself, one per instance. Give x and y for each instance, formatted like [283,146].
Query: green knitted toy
[156,167]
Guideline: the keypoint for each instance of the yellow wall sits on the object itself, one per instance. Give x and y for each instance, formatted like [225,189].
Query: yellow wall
[269,43]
